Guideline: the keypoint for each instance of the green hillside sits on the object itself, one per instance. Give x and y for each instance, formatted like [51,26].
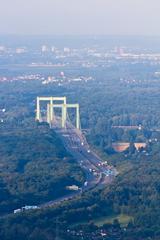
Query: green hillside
[34,167]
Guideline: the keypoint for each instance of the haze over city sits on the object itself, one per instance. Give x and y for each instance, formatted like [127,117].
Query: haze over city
[61,17]
[79,120]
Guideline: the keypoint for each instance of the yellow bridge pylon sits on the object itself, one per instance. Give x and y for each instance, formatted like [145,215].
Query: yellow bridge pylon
[51,105]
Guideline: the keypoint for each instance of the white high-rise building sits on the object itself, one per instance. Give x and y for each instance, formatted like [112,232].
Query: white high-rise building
[66,50]
[2,48]
[53,49]
[44,48]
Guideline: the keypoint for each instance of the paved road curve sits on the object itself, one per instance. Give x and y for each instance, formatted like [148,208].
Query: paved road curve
[97,173]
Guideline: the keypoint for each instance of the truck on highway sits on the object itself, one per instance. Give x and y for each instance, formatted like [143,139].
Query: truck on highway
[25,208]
[86,184]
[73,188]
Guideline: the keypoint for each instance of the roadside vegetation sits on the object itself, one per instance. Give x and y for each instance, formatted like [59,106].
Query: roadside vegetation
[35,167]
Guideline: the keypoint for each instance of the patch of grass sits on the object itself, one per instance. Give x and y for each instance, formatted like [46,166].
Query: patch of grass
[122,218]
[124,167]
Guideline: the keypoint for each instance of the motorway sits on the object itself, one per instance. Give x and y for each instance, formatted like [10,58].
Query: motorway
[98,174]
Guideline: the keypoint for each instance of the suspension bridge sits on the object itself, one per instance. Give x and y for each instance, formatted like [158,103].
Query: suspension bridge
[46,112]
[54,111]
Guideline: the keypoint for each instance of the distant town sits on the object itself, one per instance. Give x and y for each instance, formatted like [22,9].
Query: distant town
[39,63]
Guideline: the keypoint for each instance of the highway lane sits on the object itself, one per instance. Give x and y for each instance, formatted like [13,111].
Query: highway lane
[96,173]
[77,145]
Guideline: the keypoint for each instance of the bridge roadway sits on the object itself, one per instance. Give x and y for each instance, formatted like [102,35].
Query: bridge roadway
[95,172]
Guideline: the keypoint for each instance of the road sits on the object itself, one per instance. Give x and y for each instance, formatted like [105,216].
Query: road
[98,174]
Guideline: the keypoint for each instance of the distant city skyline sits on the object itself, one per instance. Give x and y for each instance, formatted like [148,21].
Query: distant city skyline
[85,17]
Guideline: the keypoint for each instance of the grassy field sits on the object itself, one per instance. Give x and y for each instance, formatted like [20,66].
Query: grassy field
[123,219]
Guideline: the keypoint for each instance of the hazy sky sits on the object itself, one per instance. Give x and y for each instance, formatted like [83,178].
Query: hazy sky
[80,17]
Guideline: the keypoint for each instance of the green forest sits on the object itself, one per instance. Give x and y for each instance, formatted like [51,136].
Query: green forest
[36,168]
